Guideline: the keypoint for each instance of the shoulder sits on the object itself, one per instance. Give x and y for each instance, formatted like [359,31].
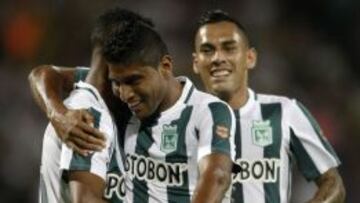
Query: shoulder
[285,102]
[202,99]
[85,96]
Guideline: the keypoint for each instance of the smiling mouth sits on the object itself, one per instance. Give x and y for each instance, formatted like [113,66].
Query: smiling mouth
[135,106]
[219,73]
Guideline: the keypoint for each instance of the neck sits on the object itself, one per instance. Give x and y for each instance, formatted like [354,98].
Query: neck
[173,93]
[97,75]
[239,98]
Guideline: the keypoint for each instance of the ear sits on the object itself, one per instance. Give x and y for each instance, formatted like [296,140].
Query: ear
[166,66]
[195,61]
[251,58]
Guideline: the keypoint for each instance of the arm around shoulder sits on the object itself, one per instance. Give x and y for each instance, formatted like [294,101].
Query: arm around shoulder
[48,85]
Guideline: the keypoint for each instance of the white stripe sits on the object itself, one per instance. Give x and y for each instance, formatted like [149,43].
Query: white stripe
[131,134]
[312,144]
[285,169]
[251,190]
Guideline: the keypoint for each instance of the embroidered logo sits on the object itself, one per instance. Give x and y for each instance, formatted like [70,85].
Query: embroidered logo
[261,132]
[169,138]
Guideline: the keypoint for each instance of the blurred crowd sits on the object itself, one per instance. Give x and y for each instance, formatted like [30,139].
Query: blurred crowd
[309,50]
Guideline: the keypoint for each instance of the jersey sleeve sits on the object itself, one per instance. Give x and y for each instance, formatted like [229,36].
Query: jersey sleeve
[216,130]
[313,153]
[81,73]
[96,162]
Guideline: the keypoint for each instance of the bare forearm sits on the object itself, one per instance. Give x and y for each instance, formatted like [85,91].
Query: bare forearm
[330,188]
[211,187]
[47,89]
[214,180]
[86,187]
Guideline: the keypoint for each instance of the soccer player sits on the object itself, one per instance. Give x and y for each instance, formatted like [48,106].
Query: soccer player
[178,139]
[67,176]
[271,131]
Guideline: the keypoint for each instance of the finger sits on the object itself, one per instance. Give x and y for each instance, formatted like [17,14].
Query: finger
[76,149]
[93,131]
[87,138]
[87,117]
[85,146]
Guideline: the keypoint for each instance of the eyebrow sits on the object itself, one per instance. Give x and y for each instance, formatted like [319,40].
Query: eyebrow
[229,42]
[206,44]
[127,79]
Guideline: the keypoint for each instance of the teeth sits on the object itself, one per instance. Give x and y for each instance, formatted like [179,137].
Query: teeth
[219,73]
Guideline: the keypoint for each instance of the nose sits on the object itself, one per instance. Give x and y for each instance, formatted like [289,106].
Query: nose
[126,93]
[218,57]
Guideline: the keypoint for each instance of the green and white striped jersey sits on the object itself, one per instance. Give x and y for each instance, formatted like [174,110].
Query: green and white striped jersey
[272,133]
[162,156]
[58,159]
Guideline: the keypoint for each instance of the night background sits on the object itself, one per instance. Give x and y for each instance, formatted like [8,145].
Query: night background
[308,50]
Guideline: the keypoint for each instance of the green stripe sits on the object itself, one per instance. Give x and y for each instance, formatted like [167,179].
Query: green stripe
[181,193]
[318,130]
[221,116]
[272,112]
[80,74]
[303,159]
[79,162]
[237,189]
[189,94]
[143,143]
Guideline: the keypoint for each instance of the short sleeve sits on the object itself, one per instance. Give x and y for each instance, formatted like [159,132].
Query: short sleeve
[81,73]
[313,153]
[96,162]
[216,130]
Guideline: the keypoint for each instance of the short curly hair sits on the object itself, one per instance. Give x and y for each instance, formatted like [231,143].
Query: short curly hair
[128,38]
[218,15]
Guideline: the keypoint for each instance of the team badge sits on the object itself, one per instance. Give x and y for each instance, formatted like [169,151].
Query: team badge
[222,131]
[169,138]
[261,132]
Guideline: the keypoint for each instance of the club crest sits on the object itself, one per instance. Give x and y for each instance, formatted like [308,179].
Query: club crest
[261,132]
[169,138]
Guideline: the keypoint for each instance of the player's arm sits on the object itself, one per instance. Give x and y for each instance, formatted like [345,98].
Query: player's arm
[215,178]
[86,175]
[215,153]
[48,85]
[86,187]
[330,188]
[315,156]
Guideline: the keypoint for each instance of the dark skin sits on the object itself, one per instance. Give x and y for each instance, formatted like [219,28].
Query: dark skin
[72,126]
[223,58]
[84,186]
[215,169]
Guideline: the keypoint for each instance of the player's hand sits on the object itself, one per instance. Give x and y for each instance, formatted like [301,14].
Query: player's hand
[74,128]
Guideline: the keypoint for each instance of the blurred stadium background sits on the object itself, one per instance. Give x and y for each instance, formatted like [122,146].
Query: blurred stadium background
[307,49]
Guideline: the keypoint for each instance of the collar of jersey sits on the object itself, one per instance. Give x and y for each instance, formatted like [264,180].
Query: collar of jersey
[249,103]
[186,90]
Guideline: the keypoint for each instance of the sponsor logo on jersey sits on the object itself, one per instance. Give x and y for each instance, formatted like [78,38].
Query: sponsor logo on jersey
[169,138]
[145,168]
[115,185]
[261,133]
[262,170]
[222,131]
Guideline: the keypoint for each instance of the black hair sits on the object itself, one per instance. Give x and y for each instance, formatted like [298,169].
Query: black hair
[217,15]
[128,38]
